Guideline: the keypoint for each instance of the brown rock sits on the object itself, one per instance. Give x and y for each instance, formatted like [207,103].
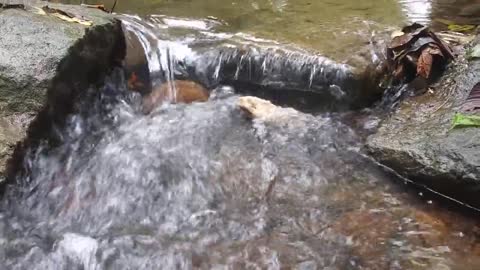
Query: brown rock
[258,108]
[175,92]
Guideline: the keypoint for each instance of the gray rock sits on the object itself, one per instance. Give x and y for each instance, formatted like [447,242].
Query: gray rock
[31,47]
[12,129]
[7,140]
[34,50]
[417,140]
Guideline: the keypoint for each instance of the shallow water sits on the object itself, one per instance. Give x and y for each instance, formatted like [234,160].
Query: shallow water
[336,28]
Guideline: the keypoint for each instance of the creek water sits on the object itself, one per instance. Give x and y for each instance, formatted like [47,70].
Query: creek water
[336,28]
[203,186]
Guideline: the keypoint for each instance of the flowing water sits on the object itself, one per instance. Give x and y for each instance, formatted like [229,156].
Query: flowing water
[203,186]
[335,28]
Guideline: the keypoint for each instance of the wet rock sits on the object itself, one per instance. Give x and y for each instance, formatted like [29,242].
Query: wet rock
[40,52]
[258,108]
[31,47]
[8,138]
[417,140]
[12,129]
[254,70]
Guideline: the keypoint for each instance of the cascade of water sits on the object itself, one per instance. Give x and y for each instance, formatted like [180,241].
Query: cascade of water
[163,56]
[214,59]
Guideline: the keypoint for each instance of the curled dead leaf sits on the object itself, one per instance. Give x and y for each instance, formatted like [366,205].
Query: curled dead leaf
[66,16]
[424,64]
[12,6]
[472,104]
[399,72]
[396,34]
[101,7]
[400,41]
[417,53]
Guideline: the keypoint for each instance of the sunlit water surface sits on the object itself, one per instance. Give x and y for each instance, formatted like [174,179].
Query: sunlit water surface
[335,28]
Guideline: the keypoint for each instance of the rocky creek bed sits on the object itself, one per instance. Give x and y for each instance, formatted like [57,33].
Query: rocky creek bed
[285,188]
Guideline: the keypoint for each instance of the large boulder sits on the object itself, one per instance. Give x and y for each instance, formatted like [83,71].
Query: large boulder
[35,50]
[31,47]
[417,140]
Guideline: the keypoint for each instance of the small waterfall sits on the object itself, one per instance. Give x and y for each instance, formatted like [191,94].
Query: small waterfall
[193,50]
[163,56]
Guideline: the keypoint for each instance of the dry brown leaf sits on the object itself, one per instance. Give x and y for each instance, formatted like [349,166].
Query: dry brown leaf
[472,104]
[400,41]
[399,72]
[424,64]
[101,7]
[69,19]
[434,50]
[443,46]
[12,6]
[66,16]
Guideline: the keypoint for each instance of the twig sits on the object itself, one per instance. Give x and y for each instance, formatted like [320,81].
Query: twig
[271,185]
[113,7]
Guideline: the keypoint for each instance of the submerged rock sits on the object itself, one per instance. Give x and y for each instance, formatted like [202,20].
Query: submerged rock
[12,130]
[176,92]
[417,140]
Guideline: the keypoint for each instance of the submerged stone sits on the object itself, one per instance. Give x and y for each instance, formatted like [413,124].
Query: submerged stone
[174,92]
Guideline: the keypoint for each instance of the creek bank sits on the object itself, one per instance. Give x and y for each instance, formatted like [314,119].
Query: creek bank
[40,53]
[417,141]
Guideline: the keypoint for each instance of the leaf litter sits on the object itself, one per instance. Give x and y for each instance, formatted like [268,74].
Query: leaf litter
[416,51]
[63,15]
